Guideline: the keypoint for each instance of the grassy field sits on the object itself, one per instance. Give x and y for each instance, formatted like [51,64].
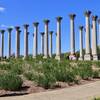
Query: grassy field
[45,72]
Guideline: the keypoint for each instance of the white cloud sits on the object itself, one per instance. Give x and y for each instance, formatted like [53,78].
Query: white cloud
[2,9]
[3,26]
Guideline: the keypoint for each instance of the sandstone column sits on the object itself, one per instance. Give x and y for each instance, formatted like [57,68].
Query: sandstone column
[42,43]
[26,40]
[94,38]
[2,43]
[50,52]
[58,39]
[88,50]
[72,38]
[9,41]
[81,43]
[46,45]
[99,31]
[35,47]
[17,41]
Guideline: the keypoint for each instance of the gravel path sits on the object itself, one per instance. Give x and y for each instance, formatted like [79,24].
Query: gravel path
[82,92]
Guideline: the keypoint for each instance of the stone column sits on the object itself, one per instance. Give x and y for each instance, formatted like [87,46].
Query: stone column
[2,43]
[81,43]
[26,40]
[42,43]
[88,50]
[99,31]
[46,45]
[50,52]
[58,39]
[35,47]
[9,41]
[94,38]
[17,41]
[72,36]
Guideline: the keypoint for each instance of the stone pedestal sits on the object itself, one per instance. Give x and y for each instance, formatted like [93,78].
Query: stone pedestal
[46,45]
[88,51]
[87,57]
[72,37]
[81,58]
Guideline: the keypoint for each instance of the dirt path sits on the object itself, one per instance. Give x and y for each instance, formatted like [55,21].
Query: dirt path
[82,92]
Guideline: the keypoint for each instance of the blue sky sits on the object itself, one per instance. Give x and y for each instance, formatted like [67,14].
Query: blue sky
[19,12]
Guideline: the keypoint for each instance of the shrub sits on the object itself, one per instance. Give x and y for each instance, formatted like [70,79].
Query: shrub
[5,66]
[96,98]
[29,75]
[85,70]
[9,81]
[96,63]
[96,74]
[16,68]
[46,80]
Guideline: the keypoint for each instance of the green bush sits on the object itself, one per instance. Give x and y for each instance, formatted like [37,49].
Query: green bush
[45,80]
[96,63]
[9,81]
[96,74]
[29,75]
[96,99]
[5,66]
[17,69]
[85,70]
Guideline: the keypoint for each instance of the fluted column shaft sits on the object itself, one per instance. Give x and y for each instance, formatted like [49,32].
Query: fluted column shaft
[50,52]
[81,42]
[94,38]
[2,43]
[58,39]
[26,40]
[88,51]
[35,47]
[42,43]
[17,41]
[72,33]
[46,45]
[9,42]
[99,30]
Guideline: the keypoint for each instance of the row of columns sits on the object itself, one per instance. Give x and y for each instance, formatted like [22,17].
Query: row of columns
[44,40]
[88,54]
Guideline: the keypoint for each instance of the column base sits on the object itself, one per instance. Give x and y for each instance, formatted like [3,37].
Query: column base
[72,57]
[87,57]
[81,58]
[95,57]
[58,57]
[24,58]
[45,57]
[34,57]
